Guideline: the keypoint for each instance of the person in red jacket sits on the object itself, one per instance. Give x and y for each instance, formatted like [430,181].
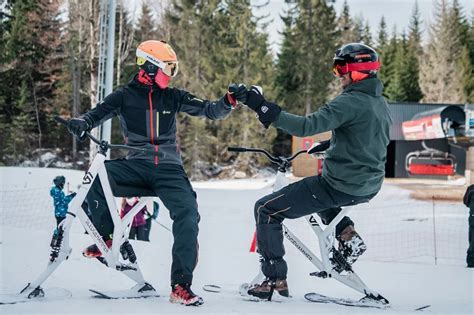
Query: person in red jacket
[137,230]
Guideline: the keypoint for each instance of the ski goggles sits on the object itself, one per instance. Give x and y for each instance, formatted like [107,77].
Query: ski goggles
[340,67]
[170,68]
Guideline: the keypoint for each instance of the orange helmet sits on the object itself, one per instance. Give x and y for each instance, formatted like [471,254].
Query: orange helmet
[160,54]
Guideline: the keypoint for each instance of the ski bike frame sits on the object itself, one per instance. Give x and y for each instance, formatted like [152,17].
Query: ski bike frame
[325,234]
[110,256]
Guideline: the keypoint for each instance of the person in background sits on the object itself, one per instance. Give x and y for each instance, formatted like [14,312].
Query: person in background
[60,200]
[469,202]
[137,231]
[149,216]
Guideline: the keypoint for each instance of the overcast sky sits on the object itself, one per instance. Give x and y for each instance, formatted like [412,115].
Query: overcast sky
[395,12]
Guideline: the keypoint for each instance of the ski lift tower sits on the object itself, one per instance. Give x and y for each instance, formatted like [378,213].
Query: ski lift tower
[106,65]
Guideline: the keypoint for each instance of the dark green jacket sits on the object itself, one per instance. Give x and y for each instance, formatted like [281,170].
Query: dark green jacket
[360,120]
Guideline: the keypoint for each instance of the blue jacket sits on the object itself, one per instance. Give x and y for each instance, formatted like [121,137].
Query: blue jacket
[60,201]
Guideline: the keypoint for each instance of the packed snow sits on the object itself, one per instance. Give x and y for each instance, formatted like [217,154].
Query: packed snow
[399,263]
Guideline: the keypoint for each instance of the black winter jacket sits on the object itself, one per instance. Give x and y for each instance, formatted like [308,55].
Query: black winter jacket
[147,116]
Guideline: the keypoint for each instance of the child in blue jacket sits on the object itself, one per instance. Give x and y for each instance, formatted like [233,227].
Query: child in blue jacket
[60,200]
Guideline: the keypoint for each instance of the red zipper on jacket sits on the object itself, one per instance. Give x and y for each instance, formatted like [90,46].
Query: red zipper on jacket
[152,132]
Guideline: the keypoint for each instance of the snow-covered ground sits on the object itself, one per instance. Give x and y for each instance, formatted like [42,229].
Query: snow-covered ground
[399,262]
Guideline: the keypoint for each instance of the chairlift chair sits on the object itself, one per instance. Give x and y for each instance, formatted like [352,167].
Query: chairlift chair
[430,162]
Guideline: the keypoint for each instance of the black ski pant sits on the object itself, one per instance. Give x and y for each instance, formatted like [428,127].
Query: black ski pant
[137,233]
[138,178]
[59,220]
[310,195]
[470,250]
[147,229]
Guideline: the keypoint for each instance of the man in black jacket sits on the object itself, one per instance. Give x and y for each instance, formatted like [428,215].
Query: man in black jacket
[147,110]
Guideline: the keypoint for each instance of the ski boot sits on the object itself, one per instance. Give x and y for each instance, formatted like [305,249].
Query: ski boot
[266,289]
[126,250]
[56,242]
[351,246]
[182,294]
[93,251]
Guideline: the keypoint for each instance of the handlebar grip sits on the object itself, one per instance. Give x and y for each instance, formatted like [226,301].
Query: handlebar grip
[323,146]
[61,120]
[236,149]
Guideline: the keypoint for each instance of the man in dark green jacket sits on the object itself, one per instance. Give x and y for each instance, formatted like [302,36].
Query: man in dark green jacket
[354,167]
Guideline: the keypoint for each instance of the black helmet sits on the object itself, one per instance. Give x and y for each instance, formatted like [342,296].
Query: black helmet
[359,59]
[59,181]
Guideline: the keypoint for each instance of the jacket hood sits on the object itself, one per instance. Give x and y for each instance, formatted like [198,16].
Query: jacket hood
[371,86]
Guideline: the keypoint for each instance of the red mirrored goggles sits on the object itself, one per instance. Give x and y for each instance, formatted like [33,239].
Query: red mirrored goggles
[340,68]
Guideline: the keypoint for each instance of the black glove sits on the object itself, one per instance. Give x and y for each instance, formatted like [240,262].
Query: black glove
[73,194]
[236,93]
[267,112]
[78,127]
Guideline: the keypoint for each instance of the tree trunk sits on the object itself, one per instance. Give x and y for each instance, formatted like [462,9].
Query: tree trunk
[93,32]
[309,70]
[35,100]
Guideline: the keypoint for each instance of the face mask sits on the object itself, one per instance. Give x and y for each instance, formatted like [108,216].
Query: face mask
[161,79]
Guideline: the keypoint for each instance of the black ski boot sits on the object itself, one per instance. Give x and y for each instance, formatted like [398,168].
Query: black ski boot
[127,252]
[351,246]
[266,289]
[56,242]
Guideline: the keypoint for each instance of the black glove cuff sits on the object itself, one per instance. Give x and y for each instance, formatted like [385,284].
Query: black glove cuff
[268,113]
[88,120]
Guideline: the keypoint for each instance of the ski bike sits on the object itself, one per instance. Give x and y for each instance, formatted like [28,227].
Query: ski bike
[331,263]
[120,256]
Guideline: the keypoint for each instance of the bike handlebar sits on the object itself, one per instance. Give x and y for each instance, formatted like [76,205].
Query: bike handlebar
[271,157]
[105,144]
[276,160]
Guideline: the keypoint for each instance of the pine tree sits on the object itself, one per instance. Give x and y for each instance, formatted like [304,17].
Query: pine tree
[382,37]
[412,58]
[358,29]
[345,25]
[126,45]
[287,82]
[366,34]
[441,77]
[395,91]
[465,64]
[316,39]
[467,60]
[146,28]
[33,51]
[387,53]
[216,46]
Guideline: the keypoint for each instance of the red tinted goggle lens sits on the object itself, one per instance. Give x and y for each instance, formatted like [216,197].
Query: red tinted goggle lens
[339,68]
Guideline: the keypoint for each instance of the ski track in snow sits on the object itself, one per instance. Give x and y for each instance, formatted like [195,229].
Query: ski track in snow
[225,232]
